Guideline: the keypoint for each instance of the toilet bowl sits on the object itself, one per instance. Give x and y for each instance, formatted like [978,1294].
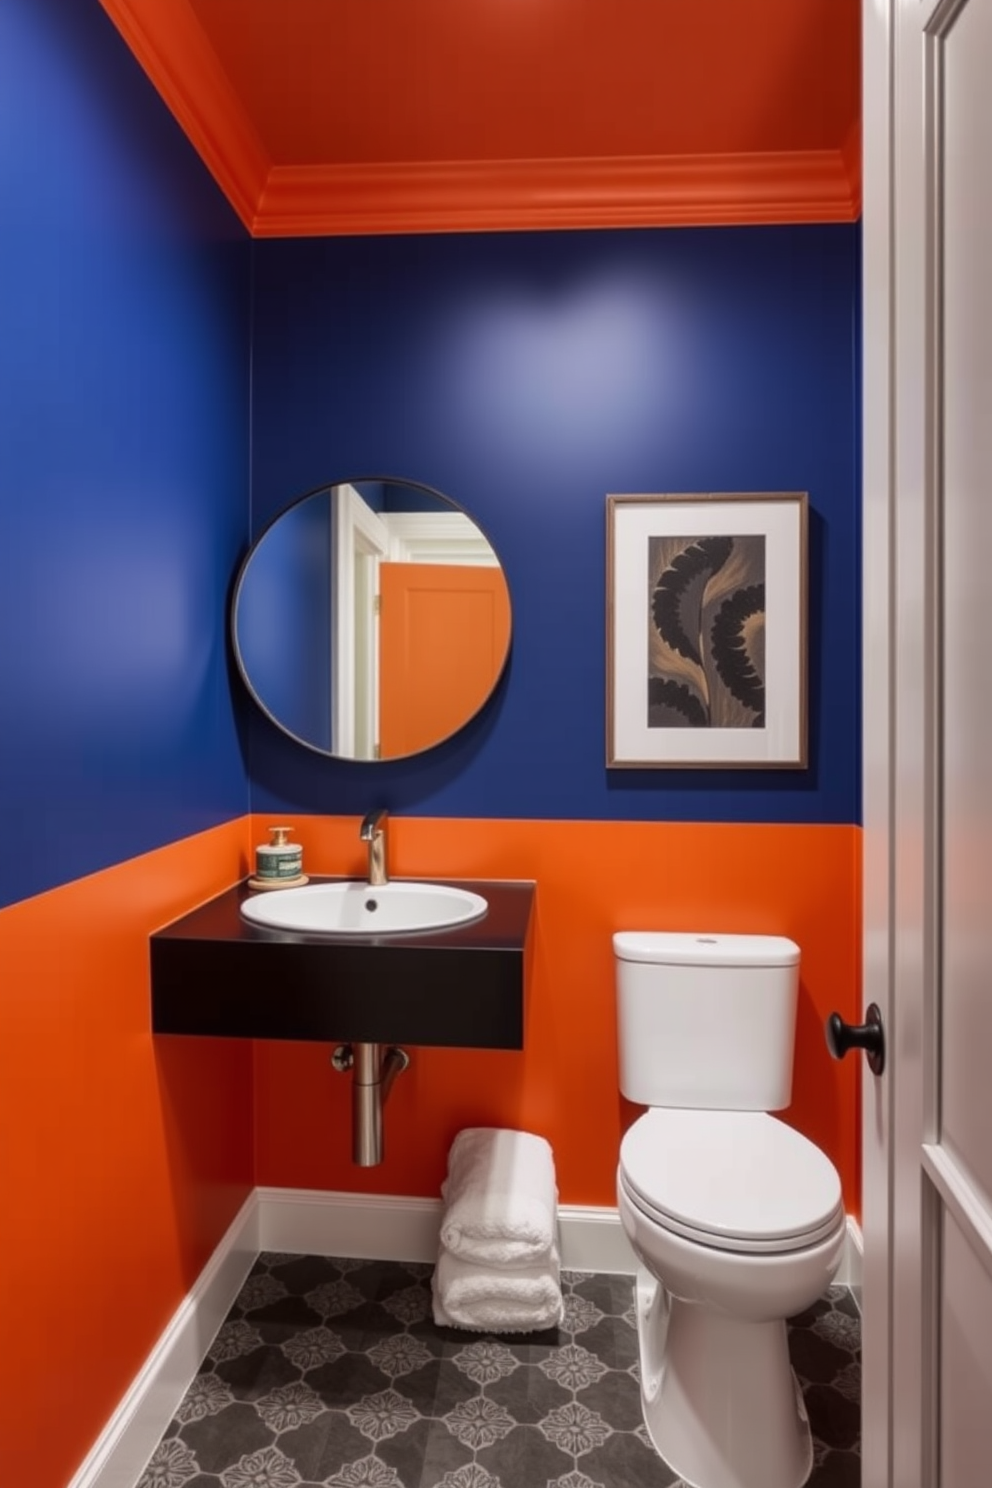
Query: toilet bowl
[738,1224]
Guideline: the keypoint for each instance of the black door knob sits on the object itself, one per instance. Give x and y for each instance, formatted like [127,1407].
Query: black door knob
[868,1035]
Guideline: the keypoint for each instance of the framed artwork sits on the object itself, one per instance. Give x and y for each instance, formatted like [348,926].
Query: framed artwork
[706,631]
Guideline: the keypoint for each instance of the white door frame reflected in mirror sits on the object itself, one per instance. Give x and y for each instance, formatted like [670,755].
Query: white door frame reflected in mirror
[360,543]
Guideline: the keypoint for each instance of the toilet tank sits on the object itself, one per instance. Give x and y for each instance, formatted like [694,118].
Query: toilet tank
[706,1021]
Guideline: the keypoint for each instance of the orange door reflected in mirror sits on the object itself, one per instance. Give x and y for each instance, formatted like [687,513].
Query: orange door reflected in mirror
[444,630]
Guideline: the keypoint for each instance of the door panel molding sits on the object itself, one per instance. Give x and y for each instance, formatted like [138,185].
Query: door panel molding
[959,1195]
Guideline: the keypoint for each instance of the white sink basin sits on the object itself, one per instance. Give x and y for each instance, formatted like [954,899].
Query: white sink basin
[354,908]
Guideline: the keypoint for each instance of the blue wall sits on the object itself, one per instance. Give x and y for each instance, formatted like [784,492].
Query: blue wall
[124,371]
[527,376]
[282,619]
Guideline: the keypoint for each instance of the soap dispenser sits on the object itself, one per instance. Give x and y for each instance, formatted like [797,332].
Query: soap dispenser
[279,862]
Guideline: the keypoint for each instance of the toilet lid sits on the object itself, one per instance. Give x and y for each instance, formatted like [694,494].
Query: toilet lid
[736,1180]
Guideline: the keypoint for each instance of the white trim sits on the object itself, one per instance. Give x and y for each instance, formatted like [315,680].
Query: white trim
[391,1228]
[963,1197]
[388,1228]
[437,537]
[374,1226]
[880,937]
[852,1261]
[594,1240]
[120,1453]
[315,1222]
[360,542]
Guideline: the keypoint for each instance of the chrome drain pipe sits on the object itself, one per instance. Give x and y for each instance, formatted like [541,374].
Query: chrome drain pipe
[373,1073]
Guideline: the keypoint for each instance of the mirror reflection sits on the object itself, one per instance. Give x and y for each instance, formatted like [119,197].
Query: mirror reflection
[371,619]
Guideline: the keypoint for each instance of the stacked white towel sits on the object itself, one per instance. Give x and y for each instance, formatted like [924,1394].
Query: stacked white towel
[498,1269]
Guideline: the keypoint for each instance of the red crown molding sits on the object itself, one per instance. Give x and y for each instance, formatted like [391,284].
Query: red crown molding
[170,45]
[851,150]
[489,196]
[467,196]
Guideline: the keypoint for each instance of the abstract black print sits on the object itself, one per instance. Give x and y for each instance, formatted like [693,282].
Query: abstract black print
[706,632]
[706,614]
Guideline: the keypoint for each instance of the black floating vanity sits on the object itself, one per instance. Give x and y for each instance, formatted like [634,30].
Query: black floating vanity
[213,973]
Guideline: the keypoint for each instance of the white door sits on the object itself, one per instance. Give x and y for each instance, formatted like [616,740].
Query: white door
[928,728]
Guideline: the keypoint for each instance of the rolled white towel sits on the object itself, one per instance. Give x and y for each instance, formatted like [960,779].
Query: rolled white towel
[526,1300]
[501,1202]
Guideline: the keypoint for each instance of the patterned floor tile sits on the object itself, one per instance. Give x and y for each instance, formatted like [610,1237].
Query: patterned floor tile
[330,1373]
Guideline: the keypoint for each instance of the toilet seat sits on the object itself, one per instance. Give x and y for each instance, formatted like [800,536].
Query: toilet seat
[733,1180]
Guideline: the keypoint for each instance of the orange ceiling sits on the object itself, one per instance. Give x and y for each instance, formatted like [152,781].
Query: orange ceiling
[439,115]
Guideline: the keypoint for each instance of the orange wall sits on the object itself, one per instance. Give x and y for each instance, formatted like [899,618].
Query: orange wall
[126,1157]
[123,1159]
[592,878]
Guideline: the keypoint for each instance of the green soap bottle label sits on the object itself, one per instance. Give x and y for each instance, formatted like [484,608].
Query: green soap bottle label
[279,863]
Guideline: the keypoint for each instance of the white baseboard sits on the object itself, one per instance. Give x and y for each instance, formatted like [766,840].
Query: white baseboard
[373,1226]
[852,1264]
[315,1222]
[123,1448]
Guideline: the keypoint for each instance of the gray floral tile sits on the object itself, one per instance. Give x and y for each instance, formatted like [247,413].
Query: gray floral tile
[205,1397]
[220,1441]
[172,1465]
[479,1422]
[611,1294]
[330,1373]
[626,1458]
[309,1347]
[289,1405]
[580,1313]
[260,1290]
[323,1446]
[832,1418]
[235,1338]
[383,1414]
[524,1456]
[486,1361]
[347,1380]
[613,1340]
[614,1399]
[267,1468]
[529,1397]
[335,1298]
[399,1354]
[573,1367]
[366,1472]
[250,1376]
[424,1456]
[575,1479]
[470,1475]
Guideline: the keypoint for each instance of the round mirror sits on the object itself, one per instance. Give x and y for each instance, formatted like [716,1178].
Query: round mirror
[371,619]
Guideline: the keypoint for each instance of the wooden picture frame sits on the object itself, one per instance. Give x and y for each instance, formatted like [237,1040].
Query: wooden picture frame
[706,631]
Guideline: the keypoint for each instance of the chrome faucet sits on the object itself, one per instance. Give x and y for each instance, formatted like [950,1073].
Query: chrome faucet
[374,833]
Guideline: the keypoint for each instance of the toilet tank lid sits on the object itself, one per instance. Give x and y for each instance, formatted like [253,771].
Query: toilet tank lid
[683,948]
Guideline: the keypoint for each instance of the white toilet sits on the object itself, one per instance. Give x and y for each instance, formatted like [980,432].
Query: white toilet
[736,1218]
